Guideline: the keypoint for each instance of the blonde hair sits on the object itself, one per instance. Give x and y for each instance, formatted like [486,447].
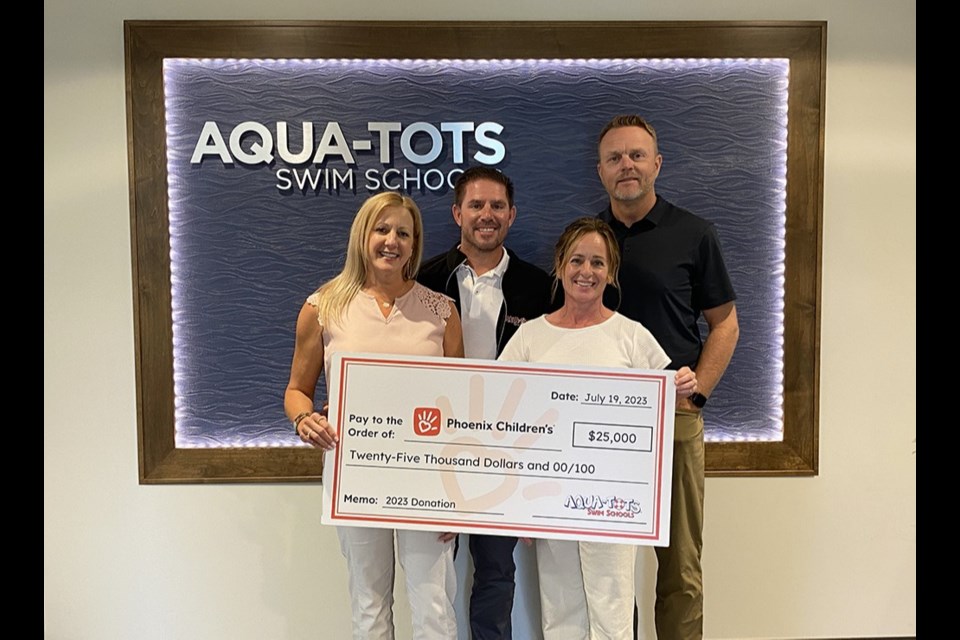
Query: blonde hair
[572,235]
[334,295]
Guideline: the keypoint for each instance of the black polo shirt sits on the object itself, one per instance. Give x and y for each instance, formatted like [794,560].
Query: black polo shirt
[671,269]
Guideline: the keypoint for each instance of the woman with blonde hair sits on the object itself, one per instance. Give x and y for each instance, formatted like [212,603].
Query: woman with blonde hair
[587,588]
[375,305]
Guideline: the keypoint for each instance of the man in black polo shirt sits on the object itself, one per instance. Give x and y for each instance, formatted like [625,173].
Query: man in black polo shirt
[671,272]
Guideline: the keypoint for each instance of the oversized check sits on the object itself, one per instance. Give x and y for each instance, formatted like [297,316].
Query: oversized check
[537,450]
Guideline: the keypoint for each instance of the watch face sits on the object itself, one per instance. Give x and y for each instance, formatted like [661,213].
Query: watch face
[698,400]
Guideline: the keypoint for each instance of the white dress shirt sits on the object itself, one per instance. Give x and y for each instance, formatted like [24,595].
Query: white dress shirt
[481,298]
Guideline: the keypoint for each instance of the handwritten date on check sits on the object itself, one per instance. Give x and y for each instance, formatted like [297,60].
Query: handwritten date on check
[536,450]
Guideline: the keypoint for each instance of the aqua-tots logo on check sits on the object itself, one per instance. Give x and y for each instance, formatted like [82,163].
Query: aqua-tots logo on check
[610,507]
[426,421]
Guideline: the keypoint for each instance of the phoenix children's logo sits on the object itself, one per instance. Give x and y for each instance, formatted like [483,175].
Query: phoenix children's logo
[426,421]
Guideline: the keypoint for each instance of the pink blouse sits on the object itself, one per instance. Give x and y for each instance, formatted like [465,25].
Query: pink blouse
[415,326]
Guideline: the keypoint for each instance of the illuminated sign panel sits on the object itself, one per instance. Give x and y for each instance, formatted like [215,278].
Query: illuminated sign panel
[268,160]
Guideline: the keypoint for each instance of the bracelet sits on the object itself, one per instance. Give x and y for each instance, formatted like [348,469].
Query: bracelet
[299,419]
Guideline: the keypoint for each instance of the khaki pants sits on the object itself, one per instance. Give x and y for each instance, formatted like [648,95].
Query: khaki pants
[679,608]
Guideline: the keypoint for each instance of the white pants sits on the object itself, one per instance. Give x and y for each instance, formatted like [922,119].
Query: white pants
[586,589]
[431,582]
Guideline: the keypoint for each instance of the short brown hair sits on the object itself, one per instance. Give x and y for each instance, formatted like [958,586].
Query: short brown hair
[481,172]
[629,120]
[572,235]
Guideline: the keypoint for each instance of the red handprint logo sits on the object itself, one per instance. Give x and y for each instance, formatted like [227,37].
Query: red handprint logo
[426,421]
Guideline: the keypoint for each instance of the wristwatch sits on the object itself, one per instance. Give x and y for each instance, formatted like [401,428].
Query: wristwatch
[698,400]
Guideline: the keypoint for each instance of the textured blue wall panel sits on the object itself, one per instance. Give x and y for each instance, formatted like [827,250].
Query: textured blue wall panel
[245,253]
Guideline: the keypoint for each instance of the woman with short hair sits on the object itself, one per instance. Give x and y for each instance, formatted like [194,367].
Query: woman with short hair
[587,588]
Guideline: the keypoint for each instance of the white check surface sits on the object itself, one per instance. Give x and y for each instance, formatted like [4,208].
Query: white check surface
[536,450]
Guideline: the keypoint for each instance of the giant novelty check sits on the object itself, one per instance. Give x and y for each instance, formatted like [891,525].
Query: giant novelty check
[536,450]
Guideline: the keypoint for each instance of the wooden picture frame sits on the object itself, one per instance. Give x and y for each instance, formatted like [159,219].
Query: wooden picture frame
[147,43]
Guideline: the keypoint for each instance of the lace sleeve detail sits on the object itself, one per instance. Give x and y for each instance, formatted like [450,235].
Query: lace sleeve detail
[436,302]
[314,301]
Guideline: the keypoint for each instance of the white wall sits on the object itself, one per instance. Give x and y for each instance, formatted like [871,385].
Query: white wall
[830,556]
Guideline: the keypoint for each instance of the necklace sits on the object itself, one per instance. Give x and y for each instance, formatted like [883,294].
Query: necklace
[382,298]
[566,320]
[385,303]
